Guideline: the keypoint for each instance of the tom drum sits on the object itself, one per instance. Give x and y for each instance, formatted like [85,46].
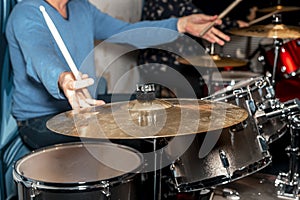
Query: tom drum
[79,171]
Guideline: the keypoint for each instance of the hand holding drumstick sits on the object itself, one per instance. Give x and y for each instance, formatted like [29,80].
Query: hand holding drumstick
[75,90]
[73,84]
[225,12]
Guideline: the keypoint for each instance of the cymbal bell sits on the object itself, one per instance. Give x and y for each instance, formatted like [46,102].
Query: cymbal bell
[212,61]
[279,8]
[169,118]
[268,31]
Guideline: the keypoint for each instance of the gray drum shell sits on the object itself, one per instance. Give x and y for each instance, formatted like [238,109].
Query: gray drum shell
[243,149]
[244,145]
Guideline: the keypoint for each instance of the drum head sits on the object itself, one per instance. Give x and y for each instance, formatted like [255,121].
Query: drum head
[79,163]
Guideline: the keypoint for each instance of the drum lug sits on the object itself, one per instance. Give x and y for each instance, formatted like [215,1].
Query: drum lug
[106,189]
[270,89]
[251,106]
[270,92]
[33,193]
[262,144]
[225,162]
[175,170]
[250,103]
[177,174]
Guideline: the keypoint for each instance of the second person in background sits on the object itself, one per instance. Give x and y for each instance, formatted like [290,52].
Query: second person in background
[164,9]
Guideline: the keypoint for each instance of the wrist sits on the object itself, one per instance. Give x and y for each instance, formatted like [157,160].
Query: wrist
[181,24]
[62,79]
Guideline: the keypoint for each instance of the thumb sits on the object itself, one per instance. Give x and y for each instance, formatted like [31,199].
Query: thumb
[79,84]
[205,18]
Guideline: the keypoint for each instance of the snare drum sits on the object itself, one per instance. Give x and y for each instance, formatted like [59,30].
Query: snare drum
[288,59]
[222,79]
[79,171]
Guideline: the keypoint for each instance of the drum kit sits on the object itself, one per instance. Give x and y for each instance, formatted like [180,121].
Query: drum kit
[204,144]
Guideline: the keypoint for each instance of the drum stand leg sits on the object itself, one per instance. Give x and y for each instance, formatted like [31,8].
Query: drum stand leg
[289,183]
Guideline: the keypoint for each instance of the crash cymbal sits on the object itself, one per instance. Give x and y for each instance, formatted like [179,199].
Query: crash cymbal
[212,61]
[279,8]
[268,31]
[136,119]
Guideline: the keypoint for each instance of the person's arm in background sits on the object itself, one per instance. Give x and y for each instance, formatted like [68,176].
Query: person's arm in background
[192,24]
[236,18]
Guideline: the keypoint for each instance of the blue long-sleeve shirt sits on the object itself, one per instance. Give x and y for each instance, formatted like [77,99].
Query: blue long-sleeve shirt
[37,61]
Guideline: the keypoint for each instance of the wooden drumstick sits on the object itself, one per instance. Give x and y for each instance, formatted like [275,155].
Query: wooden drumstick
[263,17]
[63,48]
[225,12]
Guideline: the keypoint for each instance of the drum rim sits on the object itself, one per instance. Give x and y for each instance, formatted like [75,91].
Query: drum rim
[198,185]
[88,185]
[250,75]
[228,92]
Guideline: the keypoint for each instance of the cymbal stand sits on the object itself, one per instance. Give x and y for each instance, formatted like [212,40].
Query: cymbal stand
[289,183]
[157,172]
[277,44]
[145,93]
[211,52]
[278,2]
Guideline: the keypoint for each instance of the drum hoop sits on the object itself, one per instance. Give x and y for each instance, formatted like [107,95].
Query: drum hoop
[103,184]
[229,93]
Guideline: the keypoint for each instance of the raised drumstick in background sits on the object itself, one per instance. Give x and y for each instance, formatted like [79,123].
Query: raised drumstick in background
[225,12]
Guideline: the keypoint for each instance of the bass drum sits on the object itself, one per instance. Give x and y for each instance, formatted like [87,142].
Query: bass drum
[79,171]
[288,59]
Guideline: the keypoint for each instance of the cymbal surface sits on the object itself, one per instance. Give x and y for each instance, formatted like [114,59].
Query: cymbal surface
[118,121]
[212,61]
[279,8]
[269,31]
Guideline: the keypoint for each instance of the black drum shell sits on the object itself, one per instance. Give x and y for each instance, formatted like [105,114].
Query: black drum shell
[117,185]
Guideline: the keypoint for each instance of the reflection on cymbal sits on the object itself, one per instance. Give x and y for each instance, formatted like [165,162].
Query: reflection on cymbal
[118,121]
[279,8]
[269,31]
[212,61]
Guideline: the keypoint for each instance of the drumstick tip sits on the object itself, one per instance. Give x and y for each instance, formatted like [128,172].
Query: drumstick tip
[42,8]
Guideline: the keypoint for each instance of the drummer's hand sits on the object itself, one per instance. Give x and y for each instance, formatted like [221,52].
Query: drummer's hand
[76,90]
[242,24]
[194,24]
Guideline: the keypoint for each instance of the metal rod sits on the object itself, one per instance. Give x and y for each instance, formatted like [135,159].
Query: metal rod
[278,44]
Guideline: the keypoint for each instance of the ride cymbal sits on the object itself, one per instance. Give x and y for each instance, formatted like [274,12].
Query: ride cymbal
[132,120]
[268,31]
[279,8]
[212,61]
